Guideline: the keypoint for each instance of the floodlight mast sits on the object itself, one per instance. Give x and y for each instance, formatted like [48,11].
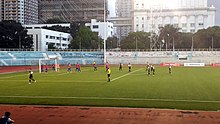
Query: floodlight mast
[155,12]
[104,47]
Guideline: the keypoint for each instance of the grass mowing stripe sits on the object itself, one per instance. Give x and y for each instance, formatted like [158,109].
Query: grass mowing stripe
[12,76]
[63,73]
[125,75]
[103,98]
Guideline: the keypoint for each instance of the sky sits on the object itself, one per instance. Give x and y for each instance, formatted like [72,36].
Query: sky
[216,3]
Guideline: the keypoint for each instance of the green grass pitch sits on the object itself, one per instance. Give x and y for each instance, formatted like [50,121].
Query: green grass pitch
[187,88]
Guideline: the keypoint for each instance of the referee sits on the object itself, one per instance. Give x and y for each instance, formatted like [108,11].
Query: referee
[109,74]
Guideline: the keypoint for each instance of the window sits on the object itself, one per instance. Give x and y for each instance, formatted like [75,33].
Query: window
[52,37]
[192,24]
[192,30]
[201,24]
[184,25]
[183,30]
[47,36]
[95,26]
[175,25]
[64,39]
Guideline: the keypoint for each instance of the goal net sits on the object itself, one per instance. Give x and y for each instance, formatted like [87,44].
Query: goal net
[51,61]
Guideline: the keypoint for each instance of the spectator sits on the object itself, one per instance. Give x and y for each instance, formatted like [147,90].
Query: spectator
[6,119]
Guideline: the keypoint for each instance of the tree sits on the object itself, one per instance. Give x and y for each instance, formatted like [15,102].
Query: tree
[168,34]
[13,35]
[207,38]
[136,40]
[85,39]
[111,43]
[74,28]
[183,41]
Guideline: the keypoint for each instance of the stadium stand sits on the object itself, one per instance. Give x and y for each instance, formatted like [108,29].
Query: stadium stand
[20,58]
[157,57]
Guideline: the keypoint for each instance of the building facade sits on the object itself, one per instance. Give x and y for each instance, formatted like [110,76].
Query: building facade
[188,15]
[104,29]
[72,10]
[43,37]
[123,10]
[23,11]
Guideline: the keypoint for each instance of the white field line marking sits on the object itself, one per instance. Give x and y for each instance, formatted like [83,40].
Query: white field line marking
[58,81]
[103,98]
[71,81]
[125,75]
[12,76]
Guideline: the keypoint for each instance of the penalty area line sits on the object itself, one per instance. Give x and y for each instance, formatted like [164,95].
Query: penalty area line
[125,75]
[105,98]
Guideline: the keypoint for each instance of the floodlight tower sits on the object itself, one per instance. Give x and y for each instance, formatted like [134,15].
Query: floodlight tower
[104,47]
[155,12]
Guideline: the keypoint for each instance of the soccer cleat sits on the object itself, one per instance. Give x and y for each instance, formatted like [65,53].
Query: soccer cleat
[29,83]
[35,81]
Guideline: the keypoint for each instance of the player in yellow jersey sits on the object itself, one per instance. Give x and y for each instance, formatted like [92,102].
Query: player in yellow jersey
[109,74]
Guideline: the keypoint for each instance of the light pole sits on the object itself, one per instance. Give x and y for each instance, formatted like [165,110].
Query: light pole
[167,41]
[60,42]
[19,39]
[192,44]
[150,37]
[173,45]
[104,48]
[136,43]
[212,43]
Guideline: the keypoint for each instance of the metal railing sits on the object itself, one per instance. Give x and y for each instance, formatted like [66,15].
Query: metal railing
[112,50]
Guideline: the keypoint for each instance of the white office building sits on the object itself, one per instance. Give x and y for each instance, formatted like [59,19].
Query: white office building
[43,37]
[188,15]
[104,29]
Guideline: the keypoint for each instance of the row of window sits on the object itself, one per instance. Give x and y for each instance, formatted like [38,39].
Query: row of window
[182,30]
[57,44]
[183,18]
[57,38]
[97,26]
[184,25]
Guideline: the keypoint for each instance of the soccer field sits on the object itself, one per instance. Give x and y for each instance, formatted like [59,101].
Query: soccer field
[187,88]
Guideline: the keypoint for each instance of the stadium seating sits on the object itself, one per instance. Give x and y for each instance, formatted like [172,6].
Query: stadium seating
[157,57]
[5,55]
[16,58]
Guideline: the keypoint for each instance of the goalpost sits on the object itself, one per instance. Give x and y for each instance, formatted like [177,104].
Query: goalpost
[48,60]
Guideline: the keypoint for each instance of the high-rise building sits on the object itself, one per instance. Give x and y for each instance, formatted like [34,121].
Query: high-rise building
[188,15]
[23,11]
[72,10]
[123,10]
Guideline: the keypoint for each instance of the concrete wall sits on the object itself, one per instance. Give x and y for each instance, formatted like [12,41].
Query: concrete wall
[158,57]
